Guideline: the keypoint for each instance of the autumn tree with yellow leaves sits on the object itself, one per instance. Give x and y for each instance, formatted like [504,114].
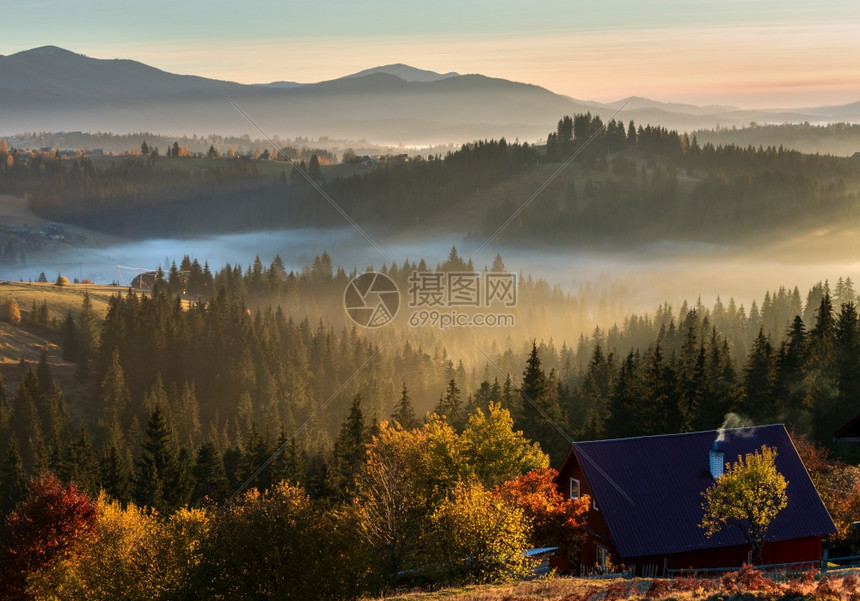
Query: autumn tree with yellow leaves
[751,493]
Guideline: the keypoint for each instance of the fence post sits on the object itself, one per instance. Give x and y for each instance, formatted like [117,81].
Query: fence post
[824,555]
[665,567]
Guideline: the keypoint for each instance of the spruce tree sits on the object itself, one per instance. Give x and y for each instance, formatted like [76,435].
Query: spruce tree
[404,414]
[43,371]
[71,340]
[80,465]
[58,422]
[788,389]
[255,453]
[13,480]
[349,450]
[5,412]
[87,326]
[26,421]
[158,479]
[314,170]
[449,407]
[114,400]
[114,475]
[210,478]
[541,413]
[758,380]
[289,465]
[847,359]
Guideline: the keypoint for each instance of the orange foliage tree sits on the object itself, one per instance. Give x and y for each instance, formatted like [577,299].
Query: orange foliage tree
[556,520]
[837,483]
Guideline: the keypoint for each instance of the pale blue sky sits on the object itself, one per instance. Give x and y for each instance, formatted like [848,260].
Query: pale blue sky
[749,53]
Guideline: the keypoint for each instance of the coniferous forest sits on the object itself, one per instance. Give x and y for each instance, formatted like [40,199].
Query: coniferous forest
[230,434]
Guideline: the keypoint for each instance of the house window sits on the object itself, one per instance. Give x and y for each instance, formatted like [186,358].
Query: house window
[601,553]
[574,488]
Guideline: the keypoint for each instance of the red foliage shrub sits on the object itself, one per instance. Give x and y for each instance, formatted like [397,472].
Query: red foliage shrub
[685,584]
[748,579]
[40,531]
[658,588]
[828,588]
[585,595]
[618,589]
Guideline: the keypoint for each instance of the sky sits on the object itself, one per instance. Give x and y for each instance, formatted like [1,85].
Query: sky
[750,53]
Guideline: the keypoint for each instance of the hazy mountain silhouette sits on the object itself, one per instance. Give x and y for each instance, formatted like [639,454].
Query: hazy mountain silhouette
[406,73]
[52,89]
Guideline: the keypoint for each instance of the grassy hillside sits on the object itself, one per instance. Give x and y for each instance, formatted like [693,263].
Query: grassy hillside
[745,585]
[27,340]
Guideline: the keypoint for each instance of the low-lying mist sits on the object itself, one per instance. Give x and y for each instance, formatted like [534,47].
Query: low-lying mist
[612,283]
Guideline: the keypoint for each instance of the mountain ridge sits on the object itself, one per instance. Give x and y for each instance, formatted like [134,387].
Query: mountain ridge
[51,88]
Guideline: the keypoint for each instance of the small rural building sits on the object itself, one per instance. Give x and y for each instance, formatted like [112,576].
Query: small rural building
[849,431]
[144,281]
[647,501]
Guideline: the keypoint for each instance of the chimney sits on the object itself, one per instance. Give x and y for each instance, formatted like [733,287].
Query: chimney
[716,460]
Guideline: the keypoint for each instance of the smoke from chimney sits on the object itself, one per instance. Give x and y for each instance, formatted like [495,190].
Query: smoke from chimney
[732,420]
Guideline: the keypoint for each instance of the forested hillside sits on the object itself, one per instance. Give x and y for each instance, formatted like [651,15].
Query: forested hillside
[628,185]
[172,433]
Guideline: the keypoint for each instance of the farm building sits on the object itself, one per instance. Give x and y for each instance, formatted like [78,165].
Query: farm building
[647,501]
[849,431]
[144,281]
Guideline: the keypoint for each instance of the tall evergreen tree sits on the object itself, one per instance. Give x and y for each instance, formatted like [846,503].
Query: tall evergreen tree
[788,385]
[26,422]
[349,450]
[80,465]
[5,412]
[158,479]
[541,413]
[87,328]
[71,340]
[758,380]
[449,405]
[821,375]
[58,423]
[847,359]
[210,477]
[13,479]
[114,400]
[289,465]
[404,414]
[114,475]
[596,389]
[256,451]
[625,396]
[314,169]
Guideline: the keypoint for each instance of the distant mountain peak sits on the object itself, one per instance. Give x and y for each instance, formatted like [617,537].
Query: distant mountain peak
[405,72]
[46,51]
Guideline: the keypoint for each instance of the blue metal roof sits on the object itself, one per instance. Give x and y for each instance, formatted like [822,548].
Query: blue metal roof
[649,489]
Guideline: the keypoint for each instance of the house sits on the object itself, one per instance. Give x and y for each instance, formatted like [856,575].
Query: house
[144,281]
[647,500]
[849,431]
